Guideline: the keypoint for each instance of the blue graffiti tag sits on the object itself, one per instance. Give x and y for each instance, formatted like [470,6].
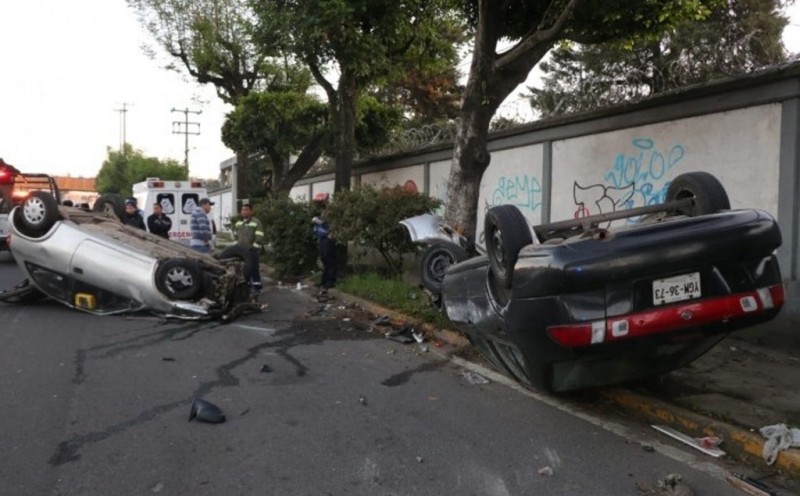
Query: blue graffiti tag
[522,191]
[645,168]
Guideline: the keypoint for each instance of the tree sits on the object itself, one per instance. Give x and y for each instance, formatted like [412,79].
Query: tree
[535,27]
[212,41]
[121,170]
[361,44]
[737,37]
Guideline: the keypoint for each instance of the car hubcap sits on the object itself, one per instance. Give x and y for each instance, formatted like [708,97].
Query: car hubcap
[178,278]
[33,211]
[439,266]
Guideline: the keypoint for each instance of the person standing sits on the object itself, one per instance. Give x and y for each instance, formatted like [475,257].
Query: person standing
[249,234]
[158,222]
[201,227]
[326,247]
[132,217]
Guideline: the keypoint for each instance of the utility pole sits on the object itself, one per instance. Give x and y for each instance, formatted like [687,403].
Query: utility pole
[183,127]
[123,117]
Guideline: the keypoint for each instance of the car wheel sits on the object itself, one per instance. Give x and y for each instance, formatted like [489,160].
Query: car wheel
[507,231]
[179,279]
[435,261]
[237,252]
[37,214]
[109,205]
[704,189]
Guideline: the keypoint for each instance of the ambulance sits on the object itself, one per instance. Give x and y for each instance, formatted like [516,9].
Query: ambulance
[177,198]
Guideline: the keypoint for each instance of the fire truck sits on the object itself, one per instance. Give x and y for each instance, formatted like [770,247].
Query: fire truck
[177,198]
[15,186]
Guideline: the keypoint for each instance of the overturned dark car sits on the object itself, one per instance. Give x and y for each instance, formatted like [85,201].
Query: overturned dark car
[571,305]
[92,262]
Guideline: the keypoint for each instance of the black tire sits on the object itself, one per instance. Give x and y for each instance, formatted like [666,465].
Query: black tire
[435,261]
[109,205]
[704,189]
[238,253]
[179,279]
[37,214]
[507,231]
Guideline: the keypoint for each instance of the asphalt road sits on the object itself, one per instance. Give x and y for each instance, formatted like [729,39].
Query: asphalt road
[100,406]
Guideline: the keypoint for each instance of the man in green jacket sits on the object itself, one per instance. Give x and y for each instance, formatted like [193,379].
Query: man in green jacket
[250,234]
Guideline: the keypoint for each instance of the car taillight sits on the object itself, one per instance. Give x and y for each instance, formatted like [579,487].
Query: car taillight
[671,318]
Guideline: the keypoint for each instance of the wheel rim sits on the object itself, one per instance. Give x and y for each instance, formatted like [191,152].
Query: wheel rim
[107,209]
[439,265]
[177,279]
[34,211]
[497,244]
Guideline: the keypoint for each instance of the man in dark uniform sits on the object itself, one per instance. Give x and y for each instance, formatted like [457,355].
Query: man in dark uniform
[132,216]
[158,222]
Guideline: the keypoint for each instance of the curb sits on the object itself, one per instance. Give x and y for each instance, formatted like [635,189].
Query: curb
[738,443]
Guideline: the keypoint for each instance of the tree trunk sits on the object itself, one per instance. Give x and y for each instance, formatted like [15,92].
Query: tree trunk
[344,126]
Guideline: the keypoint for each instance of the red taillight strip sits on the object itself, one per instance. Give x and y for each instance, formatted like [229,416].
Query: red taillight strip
[672,318]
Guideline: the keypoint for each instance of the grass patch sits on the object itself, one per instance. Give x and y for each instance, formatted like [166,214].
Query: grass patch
[393,293]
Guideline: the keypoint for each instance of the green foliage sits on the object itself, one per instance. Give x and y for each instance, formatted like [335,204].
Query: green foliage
[393,293]
[376,122]
[122,169]
[277,123]
[369,217]
[287,230]
[737,37]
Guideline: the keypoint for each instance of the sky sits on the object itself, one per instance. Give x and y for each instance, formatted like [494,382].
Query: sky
[70,66]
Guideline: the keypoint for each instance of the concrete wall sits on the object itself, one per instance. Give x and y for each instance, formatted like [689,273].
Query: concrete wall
[744,131]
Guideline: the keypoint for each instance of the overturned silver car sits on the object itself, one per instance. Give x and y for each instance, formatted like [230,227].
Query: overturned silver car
[92,262]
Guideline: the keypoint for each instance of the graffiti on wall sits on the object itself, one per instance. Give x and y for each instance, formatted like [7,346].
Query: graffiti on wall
[600,199]
[524,191]
[645,168]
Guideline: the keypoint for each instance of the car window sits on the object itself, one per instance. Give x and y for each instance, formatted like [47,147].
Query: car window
[189,201]
[167,202]
[52,283]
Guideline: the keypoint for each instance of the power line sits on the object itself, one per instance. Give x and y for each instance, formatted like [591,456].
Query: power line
[186,128]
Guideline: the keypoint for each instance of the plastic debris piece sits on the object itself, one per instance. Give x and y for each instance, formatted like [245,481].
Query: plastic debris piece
[749,485]
[362,400]
[779,438]
[383,320]
[419,336]
[346,319]
[167,359]
[673,485]
[690,441]
[648,449]
[709,441]
[205,411]
[474,377]
[420,459]
[546,472]
[402,335]
[266,368]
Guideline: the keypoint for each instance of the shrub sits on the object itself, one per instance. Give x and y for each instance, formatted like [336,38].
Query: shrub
[369,217]
[287,230]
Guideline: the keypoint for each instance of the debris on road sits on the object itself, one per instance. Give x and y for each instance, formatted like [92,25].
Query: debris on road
[474,378]
[779,438]
[689,441]
[266,368]
[404,335]
[205,411]
[362,400]
[167,359]
[748,485]
[546,471]
[383,320]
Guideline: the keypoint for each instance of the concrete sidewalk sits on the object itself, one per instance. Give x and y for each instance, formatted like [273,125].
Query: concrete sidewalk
[731,392]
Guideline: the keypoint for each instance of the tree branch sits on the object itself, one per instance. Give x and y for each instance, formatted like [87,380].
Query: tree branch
[525,52]
[326,85]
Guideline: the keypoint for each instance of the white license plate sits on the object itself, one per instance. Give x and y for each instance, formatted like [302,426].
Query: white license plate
[678,288]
